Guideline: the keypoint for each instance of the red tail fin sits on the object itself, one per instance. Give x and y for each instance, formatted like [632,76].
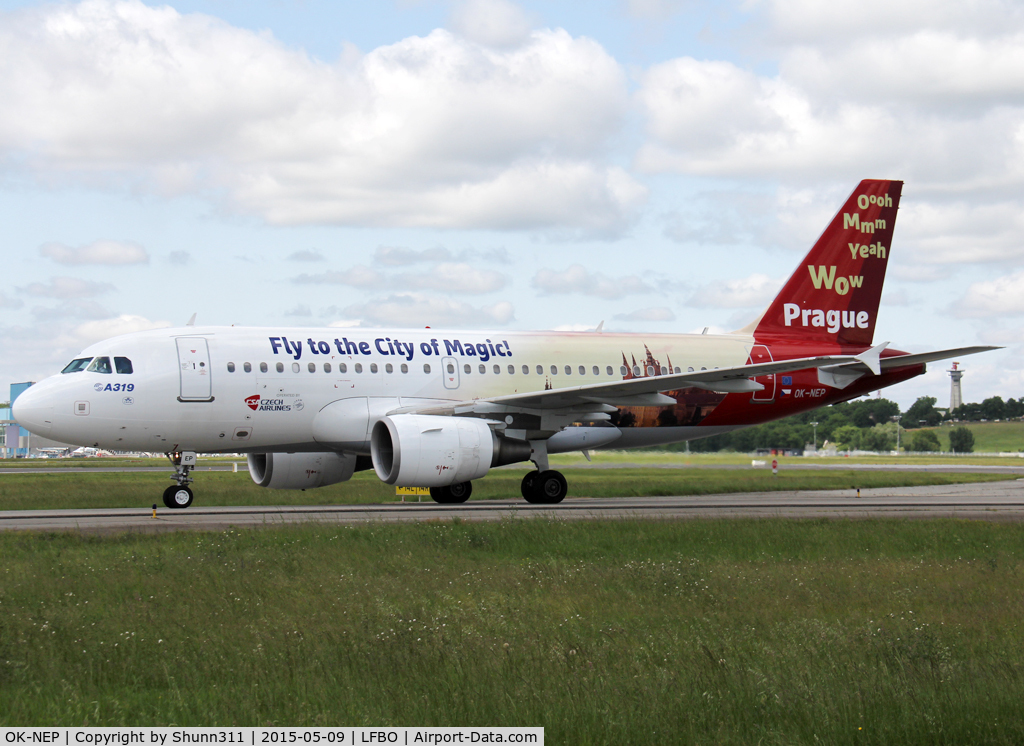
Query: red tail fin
[833,295]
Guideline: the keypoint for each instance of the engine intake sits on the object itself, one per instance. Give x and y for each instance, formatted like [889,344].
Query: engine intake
[301,471]
[416,450]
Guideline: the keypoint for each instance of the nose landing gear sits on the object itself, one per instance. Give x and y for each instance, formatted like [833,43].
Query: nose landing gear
[179,496]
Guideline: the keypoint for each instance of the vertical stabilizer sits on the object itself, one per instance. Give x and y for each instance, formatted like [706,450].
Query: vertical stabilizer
[833,295]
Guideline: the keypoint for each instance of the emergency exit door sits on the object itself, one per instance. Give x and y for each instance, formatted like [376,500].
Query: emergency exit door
[194,369]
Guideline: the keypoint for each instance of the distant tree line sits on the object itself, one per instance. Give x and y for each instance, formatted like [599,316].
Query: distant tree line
[864,424]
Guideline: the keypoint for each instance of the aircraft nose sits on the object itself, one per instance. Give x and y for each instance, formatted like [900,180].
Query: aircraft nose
[33,411]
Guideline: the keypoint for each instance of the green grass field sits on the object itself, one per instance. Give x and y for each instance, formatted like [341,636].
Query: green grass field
[989,437]
[133,489]
[627,632]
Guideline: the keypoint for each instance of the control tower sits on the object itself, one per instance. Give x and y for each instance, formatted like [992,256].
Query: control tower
[956,397]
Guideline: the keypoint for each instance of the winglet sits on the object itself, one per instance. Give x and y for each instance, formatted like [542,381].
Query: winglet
[600,327]
[872,358]
[191,321]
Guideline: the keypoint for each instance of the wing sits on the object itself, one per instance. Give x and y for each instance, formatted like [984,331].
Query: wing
[843,374]
[642,392]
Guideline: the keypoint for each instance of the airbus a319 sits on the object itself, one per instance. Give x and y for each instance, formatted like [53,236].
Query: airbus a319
[439,409]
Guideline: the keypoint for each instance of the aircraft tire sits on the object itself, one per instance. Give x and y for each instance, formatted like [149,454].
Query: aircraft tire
[530,487]
[177,498]
[452,494]
[551,487]
[460,491]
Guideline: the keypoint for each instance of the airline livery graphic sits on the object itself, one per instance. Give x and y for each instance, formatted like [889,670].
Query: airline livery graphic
[439,409]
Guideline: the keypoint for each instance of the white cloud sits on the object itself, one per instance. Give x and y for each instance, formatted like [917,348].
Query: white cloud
[494,23]
[418,310]
[654,313]
[72,309]
[306,255]
[6,302]
[399,256]
[299,310]
[67,288]
[454,277]
[578,279]
[1003,296]
[180,258]
[359,276]
[97,252]
[756,290]
[435,131]
[96,331]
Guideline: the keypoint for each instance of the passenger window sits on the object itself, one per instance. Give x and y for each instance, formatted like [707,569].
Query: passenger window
[231,367]
[327,367]
[466,368]
[583,371]
[373,367]
[100,365]
[511,370]
[312,367]
[263,367]
[597,371]
[451,368]
[426,367]
[295,368]
[359,367]
[526,370]
[247,367]
[677,369]
[405,368]
[342,368]
[77,365]
[650,370]
[124,366]
[280,367]
[636,370]
[690,369]
[568,370]
[554,370]
[540,370]
[497,369]
[622,370]
[483,368]
[389,368]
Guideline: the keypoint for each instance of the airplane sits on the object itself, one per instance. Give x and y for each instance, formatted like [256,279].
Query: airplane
[439,409]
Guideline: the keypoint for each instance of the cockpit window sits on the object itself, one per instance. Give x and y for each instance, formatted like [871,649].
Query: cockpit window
[100,365]
[77,365]
[122,365]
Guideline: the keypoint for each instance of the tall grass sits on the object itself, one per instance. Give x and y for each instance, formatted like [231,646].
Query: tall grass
[773,632]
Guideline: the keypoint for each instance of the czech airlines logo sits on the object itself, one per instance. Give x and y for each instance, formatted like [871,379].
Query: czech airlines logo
[253,402]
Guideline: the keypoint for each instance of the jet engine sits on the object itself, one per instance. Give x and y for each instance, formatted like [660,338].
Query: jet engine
[300,471]
[415,450]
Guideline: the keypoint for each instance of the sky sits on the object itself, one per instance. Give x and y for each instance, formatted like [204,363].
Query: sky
[658,165]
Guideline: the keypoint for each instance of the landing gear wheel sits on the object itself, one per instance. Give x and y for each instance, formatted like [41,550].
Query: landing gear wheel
[529,487]
[177,497]
[551,486]
[453,493]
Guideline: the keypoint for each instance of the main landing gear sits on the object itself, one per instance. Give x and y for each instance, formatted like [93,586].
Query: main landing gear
[179,495]
[453,493]
[544,487]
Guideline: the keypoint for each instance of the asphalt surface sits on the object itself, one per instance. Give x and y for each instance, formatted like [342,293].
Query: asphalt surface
[1003,501]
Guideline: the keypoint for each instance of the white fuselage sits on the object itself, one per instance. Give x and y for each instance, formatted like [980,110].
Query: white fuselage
[228,389]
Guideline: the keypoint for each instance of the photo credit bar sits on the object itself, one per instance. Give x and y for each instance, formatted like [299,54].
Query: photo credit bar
[267,736]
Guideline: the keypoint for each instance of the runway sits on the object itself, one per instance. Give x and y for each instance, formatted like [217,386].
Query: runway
[997,501]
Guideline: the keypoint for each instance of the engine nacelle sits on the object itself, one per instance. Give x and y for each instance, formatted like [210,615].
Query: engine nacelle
[300,471]
[416,450]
